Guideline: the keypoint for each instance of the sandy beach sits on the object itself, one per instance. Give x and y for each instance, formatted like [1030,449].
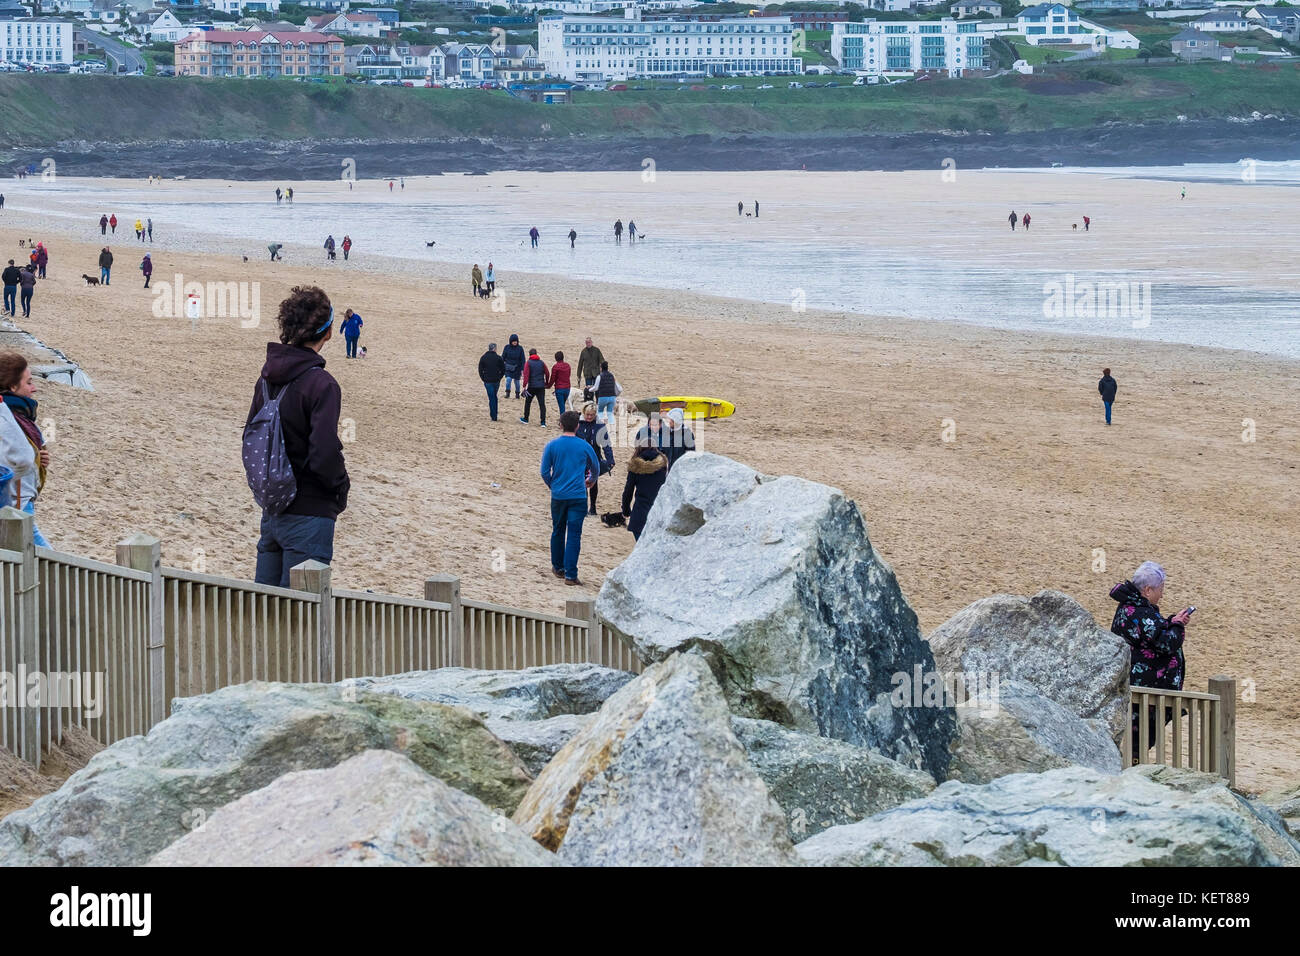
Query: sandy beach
[1033,492]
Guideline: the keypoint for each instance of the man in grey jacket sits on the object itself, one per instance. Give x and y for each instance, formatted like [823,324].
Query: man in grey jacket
[589,364]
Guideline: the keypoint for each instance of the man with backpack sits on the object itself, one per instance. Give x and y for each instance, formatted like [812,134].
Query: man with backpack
[292,454]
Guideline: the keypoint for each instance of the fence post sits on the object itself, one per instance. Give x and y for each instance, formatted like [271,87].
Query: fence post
[584,609]
[315,577]
[1226,742]
[16,535]
[141,552]
[445,589]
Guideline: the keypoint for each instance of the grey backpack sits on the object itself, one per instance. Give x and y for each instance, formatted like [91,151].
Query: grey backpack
[266,464]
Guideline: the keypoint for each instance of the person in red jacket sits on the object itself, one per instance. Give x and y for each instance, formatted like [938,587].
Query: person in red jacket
[1025,221]
[112,223]
[537,377]
[561,380]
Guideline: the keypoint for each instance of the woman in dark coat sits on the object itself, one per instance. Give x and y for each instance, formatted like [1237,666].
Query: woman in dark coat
[646,472]
[596,435]
[1155,642]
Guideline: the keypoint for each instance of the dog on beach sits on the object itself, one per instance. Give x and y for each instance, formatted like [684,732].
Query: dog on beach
[245,258]
[613,519]
[1074,225]
[428,244]
[483,292]
[90,280]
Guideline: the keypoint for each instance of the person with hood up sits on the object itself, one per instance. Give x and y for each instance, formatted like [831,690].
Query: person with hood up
[139,230]
[310,401]
[42,259]
[597,436]
[329,247]
[646,473]
[146,266]
[537,378]
[513,358]
[112,223]
[105,265]
[490,371]
[1107,386]
[1155,641]
[347,247]
[274,248]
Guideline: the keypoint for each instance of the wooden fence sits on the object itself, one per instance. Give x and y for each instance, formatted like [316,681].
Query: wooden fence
[126,639]
[1196,730]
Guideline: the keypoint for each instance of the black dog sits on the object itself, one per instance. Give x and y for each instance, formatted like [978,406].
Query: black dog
[90,280]
[483,292]
[428,244]
[613,519]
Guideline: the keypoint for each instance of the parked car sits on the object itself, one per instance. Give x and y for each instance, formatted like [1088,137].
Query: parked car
[831,84]
[795,85]
[812,86]
[763,86]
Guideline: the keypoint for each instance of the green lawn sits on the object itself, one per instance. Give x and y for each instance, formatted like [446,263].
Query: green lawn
[1034,55]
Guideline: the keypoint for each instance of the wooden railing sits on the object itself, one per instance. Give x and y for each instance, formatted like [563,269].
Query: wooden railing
[148,634]
[1182,728]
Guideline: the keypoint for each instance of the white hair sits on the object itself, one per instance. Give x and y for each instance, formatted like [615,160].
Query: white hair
[1148,575]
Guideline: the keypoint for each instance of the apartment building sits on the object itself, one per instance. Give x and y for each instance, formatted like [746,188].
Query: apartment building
[943,46]
[257,53]
[36,41]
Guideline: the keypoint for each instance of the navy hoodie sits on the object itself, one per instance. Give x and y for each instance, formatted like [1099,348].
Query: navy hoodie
[513,356]
[309,416]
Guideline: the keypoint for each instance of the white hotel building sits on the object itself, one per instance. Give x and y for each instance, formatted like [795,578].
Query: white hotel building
[875,47]
[36,41]
[581,48]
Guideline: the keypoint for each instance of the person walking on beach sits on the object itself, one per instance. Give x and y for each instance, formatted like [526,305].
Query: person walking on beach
[755,208]
[740,209]
[1025,222]
[42,259]
[307,404]
[618,232]
[351,329]
[1184,196]
[491,370]
[274,248]
[22,446]
[103,225]
[105,265]
[329,247]
[573,238]
[403,182]
[390,185]
[646,472]
[139,230]
[146,267]
[1013,220]
[589,360]
[631,231]
[1107,387]
[278,195]
[347,247]
[475,279]
[536,379]
[149,227]
[10,277]
[2,200]
[606,390]
[288,195]
[561,381]
[26,286]
[597,436]
[112,223]
[533,236]
[513,359]
[1086,223]
[490,277]
[569,466]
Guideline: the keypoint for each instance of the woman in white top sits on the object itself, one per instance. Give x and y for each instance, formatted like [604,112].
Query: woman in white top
[22,446]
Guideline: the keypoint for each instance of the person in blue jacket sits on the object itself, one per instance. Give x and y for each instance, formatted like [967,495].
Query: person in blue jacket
[569,466]
[351,331]
[513,357]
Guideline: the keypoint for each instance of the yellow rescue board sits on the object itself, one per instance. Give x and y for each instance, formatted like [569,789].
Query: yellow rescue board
[692,406]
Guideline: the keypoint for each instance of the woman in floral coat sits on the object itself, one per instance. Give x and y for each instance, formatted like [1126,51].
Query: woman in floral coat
[1155,642]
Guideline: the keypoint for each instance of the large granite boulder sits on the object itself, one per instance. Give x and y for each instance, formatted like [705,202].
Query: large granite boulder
[657,778]
[139,795]
[535,742]
[1067,817]
[536,693]
[1049,642]
[820,782]
[375,809]
[1285,802]
[775,583]
[1019,730]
